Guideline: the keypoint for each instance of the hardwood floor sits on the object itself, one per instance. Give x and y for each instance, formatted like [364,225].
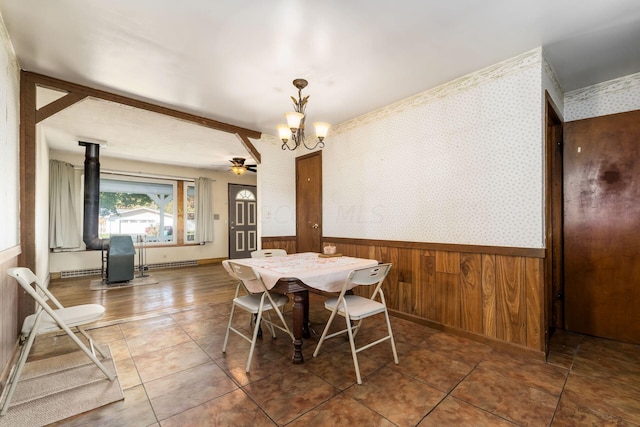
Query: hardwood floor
[177,289]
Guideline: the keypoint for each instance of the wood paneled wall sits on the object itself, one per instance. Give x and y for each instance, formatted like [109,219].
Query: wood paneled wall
[9,328]
[495,293]
[288,243]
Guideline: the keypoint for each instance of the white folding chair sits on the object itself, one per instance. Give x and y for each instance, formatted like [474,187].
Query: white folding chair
[47,319]
[268,253]
[355,308]
[255,303]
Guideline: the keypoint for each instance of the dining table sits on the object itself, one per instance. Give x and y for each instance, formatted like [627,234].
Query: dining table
[297,274]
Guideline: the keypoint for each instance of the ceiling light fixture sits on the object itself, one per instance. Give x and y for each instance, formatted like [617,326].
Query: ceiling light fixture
[238,167]
[294,129]
[238,170]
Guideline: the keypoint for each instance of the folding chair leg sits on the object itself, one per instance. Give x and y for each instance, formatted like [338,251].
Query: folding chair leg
[353,350]
[89,353]
[324,333]
[226,336]
[14,377]
[393,342]
[253,341]
[270,326]
[92,343]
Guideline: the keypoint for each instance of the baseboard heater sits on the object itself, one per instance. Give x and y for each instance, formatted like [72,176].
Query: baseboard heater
[97,271]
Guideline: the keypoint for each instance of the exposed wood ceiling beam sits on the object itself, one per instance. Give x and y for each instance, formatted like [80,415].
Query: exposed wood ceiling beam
[58,105]
[45,81]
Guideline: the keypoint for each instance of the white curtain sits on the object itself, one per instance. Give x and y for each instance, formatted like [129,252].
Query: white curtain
[204,210]
[64,195]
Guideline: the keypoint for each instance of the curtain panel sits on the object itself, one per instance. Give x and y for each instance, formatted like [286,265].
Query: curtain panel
[64,229]
[204,210]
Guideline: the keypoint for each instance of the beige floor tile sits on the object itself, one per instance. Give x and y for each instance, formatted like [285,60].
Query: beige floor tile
[106,334]
[169,360]
[524,370]
[157,339]
[399,398]
[341,410]
[119,349]
[437,370]
[335,365]
[127,373]
[454,413]
[289,393]
[145,326]
[457,348]
[570,414]
[507,398]
[232,409]
[200,328]
[186,389]
[604,396]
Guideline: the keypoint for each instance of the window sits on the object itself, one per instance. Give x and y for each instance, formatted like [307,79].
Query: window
[245,195]
[138,207]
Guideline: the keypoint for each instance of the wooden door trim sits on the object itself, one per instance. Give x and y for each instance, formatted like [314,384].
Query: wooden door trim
[553,262]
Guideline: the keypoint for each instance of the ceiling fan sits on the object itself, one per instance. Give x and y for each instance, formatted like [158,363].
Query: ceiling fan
[238,167]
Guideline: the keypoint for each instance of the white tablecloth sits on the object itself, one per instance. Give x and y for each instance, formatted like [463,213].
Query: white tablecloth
[326,274]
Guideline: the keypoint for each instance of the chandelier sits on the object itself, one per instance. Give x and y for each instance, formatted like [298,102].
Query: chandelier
[294,129]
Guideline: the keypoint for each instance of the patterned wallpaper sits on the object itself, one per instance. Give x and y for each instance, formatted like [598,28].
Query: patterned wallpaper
[551,85]
[461,163]
[611,97]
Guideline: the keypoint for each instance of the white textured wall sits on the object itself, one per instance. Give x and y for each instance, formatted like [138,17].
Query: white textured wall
[276,188]
[462,163]
[9,143]
[218,249]
[611,97]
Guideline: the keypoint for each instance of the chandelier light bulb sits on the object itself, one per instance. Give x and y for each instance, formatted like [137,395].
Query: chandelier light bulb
[322,129]
[293,120]
[285,132]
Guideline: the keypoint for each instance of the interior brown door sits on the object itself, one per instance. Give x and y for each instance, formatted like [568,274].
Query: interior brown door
[602,226]
[309,202]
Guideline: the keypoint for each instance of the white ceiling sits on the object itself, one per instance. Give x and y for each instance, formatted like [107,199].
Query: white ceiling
[234,60]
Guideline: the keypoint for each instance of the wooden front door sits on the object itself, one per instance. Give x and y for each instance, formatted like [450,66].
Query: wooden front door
[309,203]
[243,221]
[602,226]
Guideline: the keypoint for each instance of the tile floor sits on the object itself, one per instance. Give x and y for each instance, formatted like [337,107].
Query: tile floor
[174,373]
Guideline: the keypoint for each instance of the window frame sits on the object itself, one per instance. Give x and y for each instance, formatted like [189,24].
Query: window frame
[163,181]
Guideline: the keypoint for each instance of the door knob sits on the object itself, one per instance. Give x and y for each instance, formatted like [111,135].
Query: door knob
[315,226]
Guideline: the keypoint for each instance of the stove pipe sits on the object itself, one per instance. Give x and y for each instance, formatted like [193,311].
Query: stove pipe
[92,197]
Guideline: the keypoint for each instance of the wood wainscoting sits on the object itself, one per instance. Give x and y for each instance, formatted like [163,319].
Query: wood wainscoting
[493,294]
[288,243]
[9,319]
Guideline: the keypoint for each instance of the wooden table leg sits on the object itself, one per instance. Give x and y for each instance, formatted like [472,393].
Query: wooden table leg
[291,285]
[305,322]
[298,324]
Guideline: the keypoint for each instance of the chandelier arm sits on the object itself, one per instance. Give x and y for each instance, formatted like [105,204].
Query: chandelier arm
[285,146]
[318,144]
